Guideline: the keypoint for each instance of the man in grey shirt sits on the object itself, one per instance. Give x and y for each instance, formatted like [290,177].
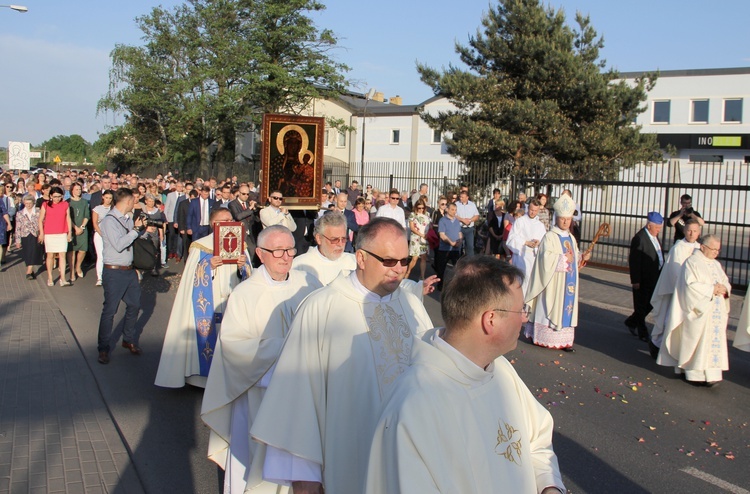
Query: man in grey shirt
[119,279]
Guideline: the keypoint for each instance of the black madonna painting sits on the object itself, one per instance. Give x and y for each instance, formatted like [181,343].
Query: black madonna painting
[292,159]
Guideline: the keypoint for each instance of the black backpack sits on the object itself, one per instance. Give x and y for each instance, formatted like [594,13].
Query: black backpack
[145,253]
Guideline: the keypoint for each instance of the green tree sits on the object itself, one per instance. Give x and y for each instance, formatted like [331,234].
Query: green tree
[69,148]
[535,98]
[209,69]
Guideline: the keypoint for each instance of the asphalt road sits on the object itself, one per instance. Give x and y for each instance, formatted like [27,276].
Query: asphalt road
[623,424]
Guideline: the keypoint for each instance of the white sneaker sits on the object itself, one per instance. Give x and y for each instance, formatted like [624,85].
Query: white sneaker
[98,282]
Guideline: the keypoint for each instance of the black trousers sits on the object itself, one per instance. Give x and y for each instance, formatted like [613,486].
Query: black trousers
[641,305]
[441,261]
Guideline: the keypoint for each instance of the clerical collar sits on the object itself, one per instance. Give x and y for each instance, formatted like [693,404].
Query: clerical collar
[466,366]
[270,280]
[369,296]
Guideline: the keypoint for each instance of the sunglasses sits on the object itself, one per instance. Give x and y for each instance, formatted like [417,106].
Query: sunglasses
[276,198]
[335,240]
[389,263]
[395,198]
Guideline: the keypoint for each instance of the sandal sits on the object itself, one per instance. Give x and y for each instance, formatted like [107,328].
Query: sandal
[64,283]
[79,274]
[50,283]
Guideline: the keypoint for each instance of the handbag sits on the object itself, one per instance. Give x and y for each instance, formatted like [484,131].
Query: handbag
[433,239]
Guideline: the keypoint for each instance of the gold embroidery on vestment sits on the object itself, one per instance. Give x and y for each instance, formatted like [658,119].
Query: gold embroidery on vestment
[391,341]
[506,446]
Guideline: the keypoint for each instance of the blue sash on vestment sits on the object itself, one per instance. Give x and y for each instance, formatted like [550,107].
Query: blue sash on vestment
[205,317]
[570,283]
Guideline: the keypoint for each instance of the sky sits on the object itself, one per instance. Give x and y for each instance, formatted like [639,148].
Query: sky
[55,58]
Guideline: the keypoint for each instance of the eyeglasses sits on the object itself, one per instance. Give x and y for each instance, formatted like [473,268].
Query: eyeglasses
[335,240]
[244,193]
[276,198]
[279,253]
[525,311]
[57,196]
[712,248]
[389,263]
[395,198]
[443,204]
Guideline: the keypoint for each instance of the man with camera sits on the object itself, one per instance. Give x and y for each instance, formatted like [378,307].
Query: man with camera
[686,212]
[119,278]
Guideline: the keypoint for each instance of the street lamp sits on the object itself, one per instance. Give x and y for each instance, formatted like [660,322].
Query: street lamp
[17,8]
[368,97]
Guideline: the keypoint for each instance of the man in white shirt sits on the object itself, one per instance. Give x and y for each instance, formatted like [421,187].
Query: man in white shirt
[392,210]
[275,214]
[523,240]
[461,394]
[467,213]
[346,346]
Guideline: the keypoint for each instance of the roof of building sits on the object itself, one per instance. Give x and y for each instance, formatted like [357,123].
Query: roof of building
[689,72]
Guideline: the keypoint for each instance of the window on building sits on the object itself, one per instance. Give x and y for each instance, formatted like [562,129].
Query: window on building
[341,140]
[437,136]
[706,158]
[733,110]
[325,138]
[661,112]
[699,111]
[395,136]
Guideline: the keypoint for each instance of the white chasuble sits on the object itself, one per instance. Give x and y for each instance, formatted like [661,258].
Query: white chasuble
[179,362]
[345,349]
[665,286]
[695,332]
[452,427]
[524,230]
[257,319]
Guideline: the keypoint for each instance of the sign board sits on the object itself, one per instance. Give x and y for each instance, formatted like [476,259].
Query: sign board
[35,154]
[18,155]
[57,159]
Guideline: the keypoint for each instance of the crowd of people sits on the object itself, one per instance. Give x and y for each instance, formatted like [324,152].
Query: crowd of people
[321,368]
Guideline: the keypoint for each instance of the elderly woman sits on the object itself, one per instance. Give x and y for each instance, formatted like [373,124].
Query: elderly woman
[97,215]
[81,215]
[55,230]
[553,289]
[27,236]
[156,234]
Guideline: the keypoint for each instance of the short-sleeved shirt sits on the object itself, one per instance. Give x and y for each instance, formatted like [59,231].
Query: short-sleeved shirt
[679,227]
[468,210]
[452,230]
[55,217]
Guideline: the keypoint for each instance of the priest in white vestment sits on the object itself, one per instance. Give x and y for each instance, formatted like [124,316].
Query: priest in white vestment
[347,345]
[553,289]
[257,319]
[665,286]
[187,352]
[742,337]
[327,260]
[524,239]
[460,419]
[695,334]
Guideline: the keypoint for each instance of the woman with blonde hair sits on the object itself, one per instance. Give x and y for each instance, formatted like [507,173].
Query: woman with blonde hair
[419,222]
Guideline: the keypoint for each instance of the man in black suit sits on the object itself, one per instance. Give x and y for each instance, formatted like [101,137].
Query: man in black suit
[244,209]
[645,261]
[198,213]
[181,214]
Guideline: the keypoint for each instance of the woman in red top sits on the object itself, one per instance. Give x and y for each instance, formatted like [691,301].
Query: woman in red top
[55,230]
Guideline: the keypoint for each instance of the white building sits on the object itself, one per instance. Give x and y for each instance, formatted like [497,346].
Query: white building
[700,112]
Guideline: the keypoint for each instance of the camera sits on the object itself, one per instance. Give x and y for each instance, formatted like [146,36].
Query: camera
[689,211]
[148,221]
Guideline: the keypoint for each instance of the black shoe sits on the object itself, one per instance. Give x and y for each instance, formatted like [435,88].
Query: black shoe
[631,324]
[653,350]
[569,349]
[29,276]
[103,358]
[643,333]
